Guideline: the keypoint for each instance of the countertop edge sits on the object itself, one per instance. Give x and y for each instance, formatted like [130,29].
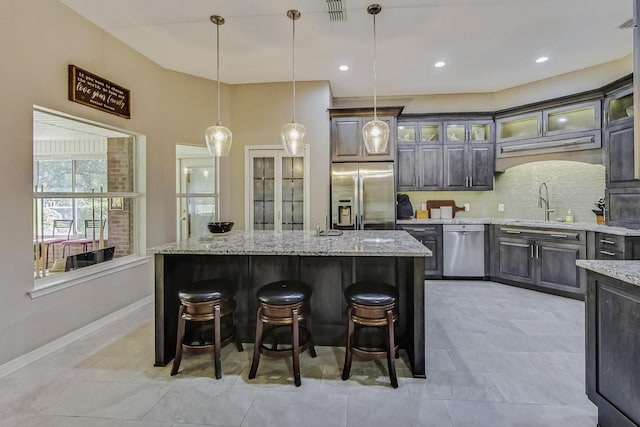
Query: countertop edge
[579,226]
[626,271]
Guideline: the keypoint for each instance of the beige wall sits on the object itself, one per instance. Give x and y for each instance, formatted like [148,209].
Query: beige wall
[258,113]
[39,38]
[565,84]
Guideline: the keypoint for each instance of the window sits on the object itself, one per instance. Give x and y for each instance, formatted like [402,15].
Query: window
[85,200]
[196,190]
[276,189]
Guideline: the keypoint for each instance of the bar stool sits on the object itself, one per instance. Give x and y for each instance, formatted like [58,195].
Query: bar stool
[371,305]
[283,304]
[203,302]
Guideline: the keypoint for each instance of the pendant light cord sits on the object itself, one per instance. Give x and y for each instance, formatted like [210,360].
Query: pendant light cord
[218,67]
[375,54]
[293,67]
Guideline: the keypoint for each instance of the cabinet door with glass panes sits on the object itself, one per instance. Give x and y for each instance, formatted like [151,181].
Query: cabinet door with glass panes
[277,193]
[555,129]
[461,131]
[618,139]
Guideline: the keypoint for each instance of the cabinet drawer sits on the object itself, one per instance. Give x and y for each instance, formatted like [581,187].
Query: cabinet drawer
[610,242]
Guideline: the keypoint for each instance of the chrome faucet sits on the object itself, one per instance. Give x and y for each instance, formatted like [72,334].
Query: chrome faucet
[543,202]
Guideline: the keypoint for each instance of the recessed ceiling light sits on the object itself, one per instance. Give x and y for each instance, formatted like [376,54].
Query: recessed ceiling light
[439,64]
[343,67]
[542,59]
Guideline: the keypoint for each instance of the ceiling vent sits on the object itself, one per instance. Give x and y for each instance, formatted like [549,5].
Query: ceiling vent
[337,10]
[627,24]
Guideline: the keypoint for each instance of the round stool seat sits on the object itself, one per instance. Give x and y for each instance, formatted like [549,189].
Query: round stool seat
[208,290]
[371,293]
[284,292]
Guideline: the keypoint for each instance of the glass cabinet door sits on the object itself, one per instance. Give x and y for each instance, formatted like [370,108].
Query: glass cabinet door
[522,126]
[406,132]
[263,193]
[455,132]
[276,196]
[619,108]
[571,119]
[480,132]
[292,193]
[430,132]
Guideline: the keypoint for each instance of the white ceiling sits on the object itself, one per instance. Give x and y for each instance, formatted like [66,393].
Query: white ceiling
[488,45]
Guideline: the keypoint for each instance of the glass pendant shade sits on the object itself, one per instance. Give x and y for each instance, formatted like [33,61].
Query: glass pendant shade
[218,140]
[376,132]
[293,134]
[376,136]
[293,137]
[218,137]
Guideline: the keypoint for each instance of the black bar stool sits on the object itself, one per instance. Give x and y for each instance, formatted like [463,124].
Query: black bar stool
[371,305]
[206,301]
[285,305]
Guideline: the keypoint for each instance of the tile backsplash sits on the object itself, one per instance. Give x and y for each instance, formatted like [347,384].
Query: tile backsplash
[572,185]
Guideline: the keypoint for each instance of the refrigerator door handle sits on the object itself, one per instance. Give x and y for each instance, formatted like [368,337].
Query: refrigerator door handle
[361,202]
[356,202]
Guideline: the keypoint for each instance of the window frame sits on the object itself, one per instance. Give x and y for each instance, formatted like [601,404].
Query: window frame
[63,280]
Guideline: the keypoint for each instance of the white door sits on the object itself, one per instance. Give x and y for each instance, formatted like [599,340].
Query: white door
[196,187]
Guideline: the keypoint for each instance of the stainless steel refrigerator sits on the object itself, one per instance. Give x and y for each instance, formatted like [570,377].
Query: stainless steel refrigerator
[363,196]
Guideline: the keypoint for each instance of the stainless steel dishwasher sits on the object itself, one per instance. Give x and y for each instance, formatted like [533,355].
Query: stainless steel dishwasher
[463,250]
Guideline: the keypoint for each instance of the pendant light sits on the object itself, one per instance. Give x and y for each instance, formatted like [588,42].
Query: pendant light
[293,134]
[218,137]
[375,132]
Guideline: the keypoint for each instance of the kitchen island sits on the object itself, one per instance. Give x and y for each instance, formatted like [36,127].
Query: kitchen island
[327,263]
[613,340]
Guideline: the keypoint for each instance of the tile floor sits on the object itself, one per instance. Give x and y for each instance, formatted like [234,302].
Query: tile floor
[497,356]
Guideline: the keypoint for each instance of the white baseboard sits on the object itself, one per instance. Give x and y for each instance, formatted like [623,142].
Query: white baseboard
[22,361]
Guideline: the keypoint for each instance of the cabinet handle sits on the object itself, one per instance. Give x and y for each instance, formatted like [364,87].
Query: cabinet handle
[470,181]
[531,251]
[607,253]
[545,127]
[537,251]
[539,129]
[512,232]
[607,242]
[606,117]
[562,236]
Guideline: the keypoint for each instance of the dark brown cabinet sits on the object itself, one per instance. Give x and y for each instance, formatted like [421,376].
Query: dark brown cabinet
[613,346]
[419,167]
[550,128]
[616,247]
[445,153]
[618,138]
[543,259]
[468,166]
[347,144]
[623,190]
[431,237]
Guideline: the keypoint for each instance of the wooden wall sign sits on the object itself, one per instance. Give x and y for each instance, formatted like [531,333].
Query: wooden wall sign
[93,91]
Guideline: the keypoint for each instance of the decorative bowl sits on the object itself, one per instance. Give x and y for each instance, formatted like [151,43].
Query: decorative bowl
[220,227]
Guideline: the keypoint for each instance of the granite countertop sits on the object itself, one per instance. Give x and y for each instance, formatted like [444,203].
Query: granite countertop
[627,271]
[579,226]
[304,243]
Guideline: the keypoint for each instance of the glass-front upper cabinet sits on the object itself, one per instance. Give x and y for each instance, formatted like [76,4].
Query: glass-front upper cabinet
[521,126]
[574,118]
[563,120]
[407,132]
[618,108]
[430,132]
[427,132]
[469,131]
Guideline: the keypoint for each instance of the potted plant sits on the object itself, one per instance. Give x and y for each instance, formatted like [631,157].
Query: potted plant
[600,211]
